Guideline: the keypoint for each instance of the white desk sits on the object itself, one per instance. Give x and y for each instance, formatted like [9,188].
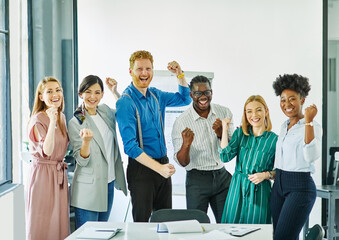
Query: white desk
[147,231]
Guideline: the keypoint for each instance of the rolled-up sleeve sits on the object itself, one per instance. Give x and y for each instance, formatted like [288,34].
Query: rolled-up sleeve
[180,98]
[312,151]
[229,152]
[127,123]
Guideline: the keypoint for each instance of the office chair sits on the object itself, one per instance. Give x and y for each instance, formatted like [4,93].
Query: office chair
[315,233]
[331,193]
[333,168]
[166,215]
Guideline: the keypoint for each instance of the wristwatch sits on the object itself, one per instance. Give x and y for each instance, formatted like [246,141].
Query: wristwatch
[309,124]
[270,174]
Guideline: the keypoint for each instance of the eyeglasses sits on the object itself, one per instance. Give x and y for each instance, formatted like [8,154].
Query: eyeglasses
[207,93]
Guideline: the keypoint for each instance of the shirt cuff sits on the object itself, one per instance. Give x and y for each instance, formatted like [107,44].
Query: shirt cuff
[220,150]
[135,152]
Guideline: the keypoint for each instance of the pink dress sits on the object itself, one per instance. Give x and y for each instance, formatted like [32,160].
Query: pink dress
[47,209]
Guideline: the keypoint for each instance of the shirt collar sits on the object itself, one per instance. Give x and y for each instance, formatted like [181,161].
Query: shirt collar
[300,122]
[137,92]
[212,110]
[250,131]
[196,116]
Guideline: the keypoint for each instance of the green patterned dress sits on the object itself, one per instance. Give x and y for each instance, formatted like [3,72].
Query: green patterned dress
[247,202]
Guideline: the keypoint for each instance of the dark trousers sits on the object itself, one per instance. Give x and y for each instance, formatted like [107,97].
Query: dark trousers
[149,190]
[292,198]
[207,187]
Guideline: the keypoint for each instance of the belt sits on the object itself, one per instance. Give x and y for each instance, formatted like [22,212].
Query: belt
[60,166]
[163,160]
[249,188]
[205,172]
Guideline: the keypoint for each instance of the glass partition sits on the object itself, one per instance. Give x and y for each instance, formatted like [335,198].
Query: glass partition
[330,100]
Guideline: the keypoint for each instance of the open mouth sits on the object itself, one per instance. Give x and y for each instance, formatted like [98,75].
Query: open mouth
[143,79]
[256,120]
[203,103]
[55,101]
[92,101]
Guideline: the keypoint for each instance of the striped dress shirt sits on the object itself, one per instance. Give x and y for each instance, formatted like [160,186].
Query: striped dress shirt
[204,153]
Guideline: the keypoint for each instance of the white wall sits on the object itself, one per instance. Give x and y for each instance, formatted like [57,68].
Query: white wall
[12,220]
[246,43]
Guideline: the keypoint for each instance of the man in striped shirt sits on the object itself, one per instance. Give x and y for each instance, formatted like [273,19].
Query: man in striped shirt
[195,135]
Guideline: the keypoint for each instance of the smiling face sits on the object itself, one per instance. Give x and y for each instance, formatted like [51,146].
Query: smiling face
[142,73]
[256,114]
[92,97]
[52,95]
[201,102]
[291,103]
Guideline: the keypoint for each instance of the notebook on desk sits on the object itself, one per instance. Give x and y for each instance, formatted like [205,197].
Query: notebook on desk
[98,233]
[186,226]
[239,230]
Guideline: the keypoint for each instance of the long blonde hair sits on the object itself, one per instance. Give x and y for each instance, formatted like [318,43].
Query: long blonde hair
[246,124]
[40,106]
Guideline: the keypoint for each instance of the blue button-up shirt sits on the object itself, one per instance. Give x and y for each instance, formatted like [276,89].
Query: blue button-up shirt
[152,134]
[292,153]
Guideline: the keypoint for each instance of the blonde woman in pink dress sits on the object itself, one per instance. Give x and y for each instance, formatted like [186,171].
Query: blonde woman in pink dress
[47,211]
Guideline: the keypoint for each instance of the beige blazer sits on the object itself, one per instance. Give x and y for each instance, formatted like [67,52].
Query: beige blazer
[89,186]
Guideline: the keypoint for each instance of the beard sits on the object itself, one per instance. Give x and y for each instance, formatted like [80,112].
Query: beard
[141,83]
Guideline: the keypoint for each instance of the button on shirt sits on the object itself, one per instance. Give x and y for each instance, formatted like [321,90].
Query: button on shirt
[152,134]
[254,153]
[204,153]
[292,153]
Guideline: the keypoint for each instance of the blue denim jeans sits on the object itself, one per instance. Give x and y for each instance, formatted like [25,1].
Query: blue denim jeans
[83,215]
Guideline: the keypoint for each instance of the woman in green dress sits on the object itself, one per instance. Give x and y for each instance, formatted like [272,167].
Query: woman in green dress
[254,146]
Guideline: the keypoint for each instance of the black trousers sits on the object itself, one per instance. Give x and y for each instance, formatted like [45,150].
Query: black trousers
[149,190]
[207,187]
[292,198]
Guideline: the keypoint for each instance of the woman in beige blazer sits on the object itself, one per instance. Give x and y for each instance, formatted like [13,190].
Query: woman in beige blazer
[92,134]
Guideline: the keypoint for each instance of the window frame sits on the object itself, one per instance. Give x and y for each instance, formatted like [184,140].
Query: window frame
[6,183]
[325,154]
[33,81]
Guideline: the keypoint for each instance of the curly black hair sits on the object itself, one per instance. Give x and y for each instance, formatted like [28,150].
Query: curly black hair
[199,79]
[294,82]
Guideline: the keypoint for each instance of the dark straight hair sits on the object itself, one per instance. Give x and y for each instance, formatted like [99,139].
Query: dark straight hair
[88,81]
